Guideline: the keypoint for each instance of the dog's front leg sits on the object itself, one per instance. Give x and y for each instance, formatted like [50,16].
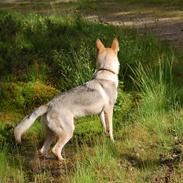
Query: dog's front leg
[102,117]
[108,113]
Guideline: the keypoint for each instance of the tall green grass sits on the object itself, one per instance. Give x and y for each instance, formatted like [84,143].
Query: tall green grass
[157,107]
[10,170]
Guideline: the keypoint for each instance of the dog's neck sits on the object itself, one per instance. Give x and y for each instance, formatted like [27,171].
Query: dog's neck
[109,70]
[106,74]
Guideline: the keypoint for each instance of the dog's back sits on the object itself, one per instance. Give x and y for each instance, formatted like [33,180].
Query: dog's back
[87,99]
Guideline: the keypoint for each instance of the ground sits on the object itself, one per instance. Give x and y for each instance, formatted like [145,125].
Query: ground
[166,23]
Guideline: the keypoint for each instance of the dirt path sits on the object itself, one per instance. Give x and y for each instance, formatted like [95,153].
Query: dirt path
[164,21]
[166,29]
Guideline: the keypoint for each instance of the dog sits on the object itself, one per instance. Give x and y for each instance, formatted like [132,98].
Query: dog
[96,96]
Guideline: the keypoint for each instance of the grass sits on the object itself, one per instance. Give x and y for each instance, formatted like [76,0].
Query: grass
[46,55]
[97,163]
[9,171]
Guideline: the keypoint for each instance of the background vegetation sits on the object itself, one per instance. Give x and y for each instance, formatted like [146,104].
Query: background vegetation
[42,56]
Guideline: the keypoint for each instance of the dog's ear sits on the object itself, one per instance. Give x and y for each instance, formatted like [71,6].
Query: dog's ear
[115,45]
[99,45]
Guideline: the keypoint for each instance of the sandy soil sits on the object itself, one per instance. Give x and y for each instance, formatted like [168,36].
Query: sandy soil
[164,21]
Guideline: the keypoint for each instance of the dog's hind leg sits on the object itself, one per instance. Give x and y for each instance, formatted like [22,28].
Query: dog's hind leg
[48,141]
[64,134]
[62,140]
[49,136]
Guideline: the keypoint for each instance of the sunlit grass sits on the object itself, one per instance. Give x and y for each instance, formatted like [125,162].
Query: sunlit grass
[11,171]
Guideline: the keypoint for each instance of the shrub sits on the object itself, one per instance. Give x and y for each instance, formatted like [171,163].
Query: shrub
[26,95]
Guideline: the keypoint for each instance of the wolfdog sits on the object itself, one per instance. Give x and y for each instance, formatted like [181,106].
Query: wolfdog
[96,96]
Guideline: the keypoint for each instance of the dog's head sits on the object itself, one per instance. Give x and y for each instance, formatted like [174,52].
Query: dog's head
[107,57]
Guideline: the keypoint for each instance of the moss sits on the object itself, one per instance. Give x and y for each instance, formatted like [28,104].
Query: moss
[25,95]
[37,93]
[12,93]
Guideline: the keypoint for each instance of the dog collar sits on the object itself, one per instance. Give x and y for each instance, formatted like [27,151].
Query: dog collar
[103,69]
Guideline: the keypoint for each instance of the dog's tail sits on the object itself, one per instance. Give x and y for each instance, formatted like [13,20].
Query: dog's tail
[28,121]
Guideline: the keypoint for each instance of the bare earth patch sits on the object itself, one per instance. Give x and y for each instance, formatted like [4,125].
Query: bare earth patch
[164,21]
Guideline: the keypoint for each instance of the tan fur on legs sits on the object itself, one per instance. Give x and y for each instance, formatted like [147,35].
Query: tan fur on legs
[102,118]
[108,118]
[48,141]
[62,140]
[49,136]
[56,149]
[63,126]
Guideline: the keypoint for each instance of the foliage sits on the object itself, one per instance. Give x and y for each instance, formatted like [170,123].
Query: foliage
[25,96]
